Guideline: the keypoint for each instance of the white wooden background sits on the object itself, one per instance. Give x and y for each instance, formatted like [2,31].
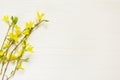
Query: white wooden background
[81,41]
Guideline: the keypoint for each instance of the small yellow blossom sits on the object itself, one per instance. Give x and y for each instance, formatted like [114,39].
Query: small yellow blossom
[40,15]
[1,53]
[11,57]
[20,53]
[13,36]
[29,24]
[29,48]
[17,27]
[6,44]
[26,32]
[18,30]
[6,19]
[24,43]
[19,66]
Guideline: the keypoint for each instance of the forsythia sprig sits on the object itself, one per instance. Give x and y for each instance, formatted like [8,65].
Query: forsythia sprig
[15,45]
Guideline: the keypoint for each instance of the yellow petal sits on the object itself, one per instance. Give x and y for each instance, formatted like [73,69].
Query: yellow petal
[19,66]
[18,32]
[40,15]
[11,57]
[29,48]
[17,27]
[13,37]
[1,53]
[6,18]
[30,24]
[20,53]
[6,44]
[26,32]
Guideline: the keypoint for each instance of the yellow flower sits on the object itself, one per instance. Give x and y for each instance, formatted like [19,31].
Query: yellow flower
[29,48]
[40,15]
[11,57]
[1,53]
[20,53]
[6,44]
[6,19]
[13,37]
[19,66]
[18,30]
[17,27]
[24,43]
[29,24]
[26,32]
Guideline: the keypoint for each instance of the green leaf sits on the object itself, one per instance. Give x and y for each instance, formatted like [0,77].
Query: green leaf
[45,20]
[25,60]
[11,18]
[14,20]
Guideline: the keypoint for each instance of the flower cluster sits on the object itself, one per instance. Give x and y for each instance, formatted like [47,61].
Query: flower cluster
[16,44]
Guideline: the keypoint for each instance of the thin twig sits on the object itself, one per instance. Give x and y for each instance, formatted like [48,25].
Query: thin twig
[5,37]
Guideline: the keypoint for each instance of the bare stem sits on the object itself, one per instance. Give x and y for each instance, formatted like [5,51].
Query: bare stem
[5,37]
[3,45]
[14,70]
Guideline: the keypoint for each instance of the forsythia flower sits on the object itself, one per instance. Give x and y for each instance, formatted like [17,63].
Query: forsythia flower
[12,57]
[19,66]
[29,48]
[13,37]
[20,53]
[6,18]
[26,32]
[40,15]
[24,44]
[1,53]
[30,24]
[18,30]
[6,44]
[17,27]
